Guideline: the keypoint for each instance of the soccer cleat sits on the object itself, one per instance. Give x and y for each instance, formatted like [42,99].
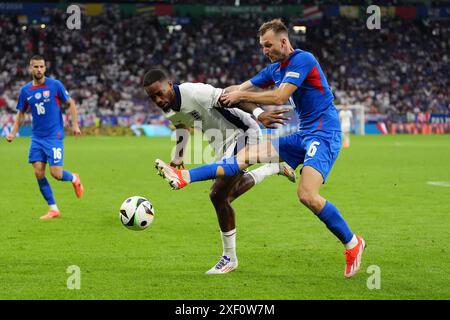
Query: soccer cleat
[353,258]
[224,265]
[287,171]
[78,186]
[51,214]
[171,174]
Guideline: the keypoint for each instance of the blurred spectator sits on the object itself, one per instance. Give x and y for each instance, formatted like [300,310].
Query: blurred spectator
[401,68]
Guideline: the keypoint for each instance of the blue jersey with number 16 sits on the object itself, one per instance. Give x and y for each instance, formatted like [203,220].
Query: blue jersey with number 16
[44,100]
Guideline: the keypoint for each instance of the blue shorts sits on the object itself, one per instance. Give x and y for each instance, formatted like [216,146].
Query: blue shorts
[315,150]
[43,150]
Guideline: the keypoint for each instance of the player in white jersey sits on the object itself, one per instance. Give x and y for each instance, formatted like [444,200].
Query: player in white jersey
[199,109]
[196,105]
[345,117]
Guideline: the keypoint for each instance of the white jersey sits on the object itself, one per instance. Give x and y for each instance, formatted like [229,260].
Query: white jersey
[200,108]
[345,116]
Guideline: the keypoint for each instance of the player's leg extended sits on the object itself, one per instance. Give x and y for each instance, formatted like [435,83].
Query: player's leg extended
[269,169]
[62,175]
[180,178]
[308,193]
[255,176]
[220,197]
[46,190]
[263,152]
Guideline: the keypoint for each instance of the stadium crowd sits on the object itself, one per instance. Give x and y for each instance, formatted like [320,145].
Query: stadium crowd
[401,68]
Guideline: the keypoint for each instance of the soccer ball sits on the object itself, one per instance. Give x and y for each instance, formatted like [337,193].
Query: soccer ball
[136,213]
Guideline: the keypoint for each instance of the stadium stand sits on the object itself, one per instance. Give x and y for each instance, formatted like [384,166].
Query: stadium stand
[402,68]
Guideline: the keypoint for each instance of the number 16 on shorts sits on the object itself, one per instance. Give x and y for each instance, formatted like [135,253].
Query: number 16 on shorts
[57,155]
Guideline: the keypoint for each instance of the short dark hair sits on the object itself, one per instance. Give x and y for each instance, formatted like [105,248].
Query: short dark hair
[154,75]
[276,25]
[37,57]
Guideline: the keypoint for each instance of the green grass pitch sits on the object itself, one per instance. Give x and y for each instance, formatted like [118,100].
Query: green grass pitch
[379,184]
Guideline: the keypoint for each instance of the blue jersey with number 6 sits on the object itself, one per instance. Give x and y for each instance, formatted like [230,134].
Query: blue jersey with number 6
[318,141]
[44,101]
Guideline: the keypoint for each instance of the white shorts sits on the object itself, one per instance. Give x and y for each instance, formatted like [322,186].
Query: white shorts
[231,148]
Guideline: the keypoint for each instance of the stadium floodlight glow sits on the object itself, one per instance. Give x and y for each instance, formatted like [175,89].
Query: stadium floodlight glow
[43,26]
[298,29]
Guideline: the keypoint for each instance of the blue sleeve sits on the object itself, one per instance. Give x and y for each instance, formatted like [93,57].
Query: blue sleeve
[63,94]
[263,79]
[299,68]
[22,103]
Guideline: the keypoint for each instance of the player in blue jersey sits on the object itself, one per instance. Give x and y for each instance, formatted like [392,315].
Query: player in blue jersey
[299,79]
[43,97]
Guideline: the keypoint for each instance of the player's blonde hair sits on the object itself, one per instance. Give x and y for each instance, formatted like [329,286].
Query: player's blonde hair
[276,25]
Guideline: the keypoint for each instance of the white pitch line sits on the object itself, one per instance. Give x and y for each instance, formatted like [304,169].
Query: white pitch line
[439,183]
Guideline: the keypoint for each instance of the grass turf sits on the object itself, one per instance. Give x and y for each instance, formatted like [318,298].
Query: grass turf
[379,184]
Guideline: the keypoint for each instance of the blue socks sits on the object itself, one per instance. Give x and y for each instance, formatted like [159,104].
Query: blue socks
[208,171]
[46,191]
[332,218]
[67,176]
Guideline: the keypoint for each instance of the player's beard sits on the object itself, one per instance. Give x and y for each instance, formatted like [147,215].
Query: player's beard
[38,78]
[171,105]
[276,56]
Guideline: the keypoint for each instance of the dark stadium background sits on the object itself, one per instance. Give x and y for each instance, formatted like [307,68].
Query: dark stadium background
[398,73]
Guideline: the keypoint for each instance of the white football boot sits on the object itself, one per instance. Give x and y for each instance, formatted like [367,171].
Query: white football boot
[287,171]
[224,265]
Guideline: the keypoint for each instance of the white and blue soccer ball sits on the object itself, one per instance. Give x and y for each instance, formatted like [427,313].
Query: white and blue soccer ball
[136,213]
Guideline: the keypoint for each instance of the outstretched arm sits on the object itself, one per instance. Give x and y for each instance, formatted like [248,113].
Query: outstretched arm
[245,86]
[273,97]
[267,118]
[17,123]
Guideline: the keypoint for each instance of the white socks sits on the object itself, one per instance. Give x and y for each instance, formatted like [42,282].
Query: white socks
[229,244]
[53,207]
[264,171]
[352,243]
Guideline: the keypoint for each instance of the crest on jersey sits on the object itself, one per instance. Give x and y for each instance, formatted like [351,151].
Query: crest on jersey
[46,93]
[196,115]
[38,95]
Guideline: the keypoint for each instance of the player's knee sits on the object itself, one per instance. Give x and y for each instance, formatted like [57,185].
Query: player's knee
[307,198]
[40,174]
[217,197]
[231,198]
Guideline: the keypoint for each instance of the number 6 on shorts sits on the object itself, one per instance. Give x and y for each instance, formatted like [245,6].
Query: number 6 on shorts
[313,148]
